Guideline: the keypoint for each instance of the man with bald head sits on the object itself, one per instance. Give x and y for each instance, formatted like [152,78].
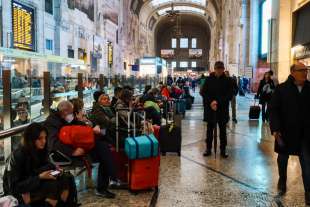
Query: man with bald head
[290,124]
[54,122]
[100,153]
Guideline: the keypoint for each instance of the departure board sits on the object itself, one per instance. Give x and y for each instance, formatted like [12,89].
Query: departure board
[23,26]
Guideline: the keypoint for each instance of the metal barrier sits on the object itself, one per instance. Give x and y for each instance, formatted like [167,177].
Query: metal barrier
[38,95]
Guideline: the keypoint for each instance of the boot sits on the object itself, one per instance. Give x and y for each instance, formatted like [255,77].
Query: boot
[224,154]
[207,153]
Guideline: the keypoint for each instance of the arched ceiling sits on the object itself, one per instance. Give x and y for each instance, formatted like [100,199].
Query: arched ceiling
[204,3]
[152,11]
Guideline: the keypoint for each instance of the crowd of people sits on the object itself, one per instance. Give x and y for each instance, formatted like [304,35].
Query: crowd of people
[38,184]
[28,175]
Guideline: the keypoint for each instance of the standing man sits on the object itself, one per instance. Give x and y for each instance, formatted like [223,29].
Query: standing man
[217,92]
[289,124]
[235,91]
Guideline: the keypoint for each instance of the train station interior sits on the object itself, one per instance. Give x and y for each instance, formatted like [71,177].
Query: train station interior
[154,103]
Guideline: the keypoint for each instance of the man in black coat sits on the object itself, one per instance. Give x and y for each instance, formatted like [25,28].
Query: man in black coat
[290,125]
[101,152]
[217,92]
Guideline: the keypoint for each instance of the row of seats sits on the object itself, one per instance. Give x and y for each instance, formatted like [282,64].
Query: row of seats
[102,120]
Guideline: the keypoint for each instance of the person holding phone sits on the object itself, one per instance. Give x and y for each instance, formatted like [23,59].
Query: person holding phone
[30,177]
[289,124]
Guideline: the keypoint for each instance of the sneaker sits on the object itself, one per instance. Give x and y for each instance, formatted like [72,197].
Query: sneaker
[105,194]
[281,187]
[207,153]
[307,198]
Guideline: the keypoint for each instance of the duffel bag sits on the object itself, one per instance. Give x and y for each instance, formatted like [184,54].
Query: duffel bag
[78,136]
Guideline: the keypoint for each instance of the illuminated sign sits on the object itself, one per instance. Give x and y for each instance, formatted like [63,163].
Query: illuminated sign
[110,54]
[167,53]
[147,61]
[23,26]
[195,53]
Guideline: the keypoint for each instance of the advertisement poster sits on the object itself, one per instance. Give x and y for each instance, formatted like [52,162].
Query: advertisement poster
[195,53]
[110,54]
[85,6]
[23,26]
[168,54]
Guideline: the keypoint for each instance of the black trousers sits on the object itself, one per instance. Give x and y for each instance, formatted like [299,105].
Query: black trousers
[101,153]
[51,189]
[210,136]
[304,160]
[265,111]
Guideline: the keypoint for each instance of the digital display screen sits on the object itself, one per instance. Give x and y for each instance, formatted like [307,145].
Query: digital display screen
[23,26]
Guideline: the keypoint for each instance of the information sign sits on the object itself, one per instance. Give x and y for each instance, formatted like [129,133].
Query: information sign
[23,26]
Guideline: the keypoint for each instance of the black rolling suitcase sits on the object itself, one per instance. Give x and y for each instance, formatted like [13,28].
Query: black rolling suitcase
[170,136]
[254,111]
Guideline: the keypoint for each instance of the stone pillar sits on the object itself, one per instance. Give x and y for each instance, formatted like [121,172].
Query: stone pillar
[282,50]
[244,43]
[7,30]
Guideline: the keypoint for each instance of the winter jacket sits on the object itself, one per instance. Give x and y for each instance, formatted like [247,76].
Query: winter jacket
[265,91]
[220,90]
[54,123]
[289,115]
[22,173]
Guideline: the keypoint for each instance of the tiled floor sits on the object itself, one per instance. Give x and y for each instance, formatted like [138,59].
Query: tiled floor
[247,178]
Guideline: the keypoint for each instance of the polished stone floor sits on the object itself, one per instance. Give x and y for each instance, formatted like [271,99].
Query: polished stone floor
[247,178]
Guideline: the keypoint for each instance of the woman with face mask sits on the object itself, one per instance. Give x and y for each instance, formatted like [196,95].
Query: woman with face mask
[30,177]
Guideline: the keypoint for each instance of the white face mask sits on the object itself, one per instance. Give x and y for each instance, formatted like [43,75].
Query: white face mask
[69,118]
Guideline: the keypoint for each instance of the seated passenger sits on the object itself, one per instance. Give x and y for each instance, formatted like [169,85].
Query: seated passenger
[117,93]
[96,96]
[104,116]
[165,92]
[124,105]
[28,175]
[101,152]
[151,107]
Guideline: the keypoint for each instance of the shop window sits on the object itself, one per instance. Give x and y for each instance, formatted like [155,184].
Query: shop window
[183,64]
[194,42]
[70,53]
[49,44]
[173,43]
[49,6]
[184,43]
[194,64]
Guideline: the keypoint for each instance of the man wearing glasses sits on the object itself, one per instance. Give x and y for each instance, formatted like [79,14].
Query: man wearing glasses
[290,124]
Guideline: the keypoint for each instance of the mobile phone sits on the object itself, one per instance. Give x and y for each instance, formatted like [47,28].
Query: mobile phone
[55,173]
